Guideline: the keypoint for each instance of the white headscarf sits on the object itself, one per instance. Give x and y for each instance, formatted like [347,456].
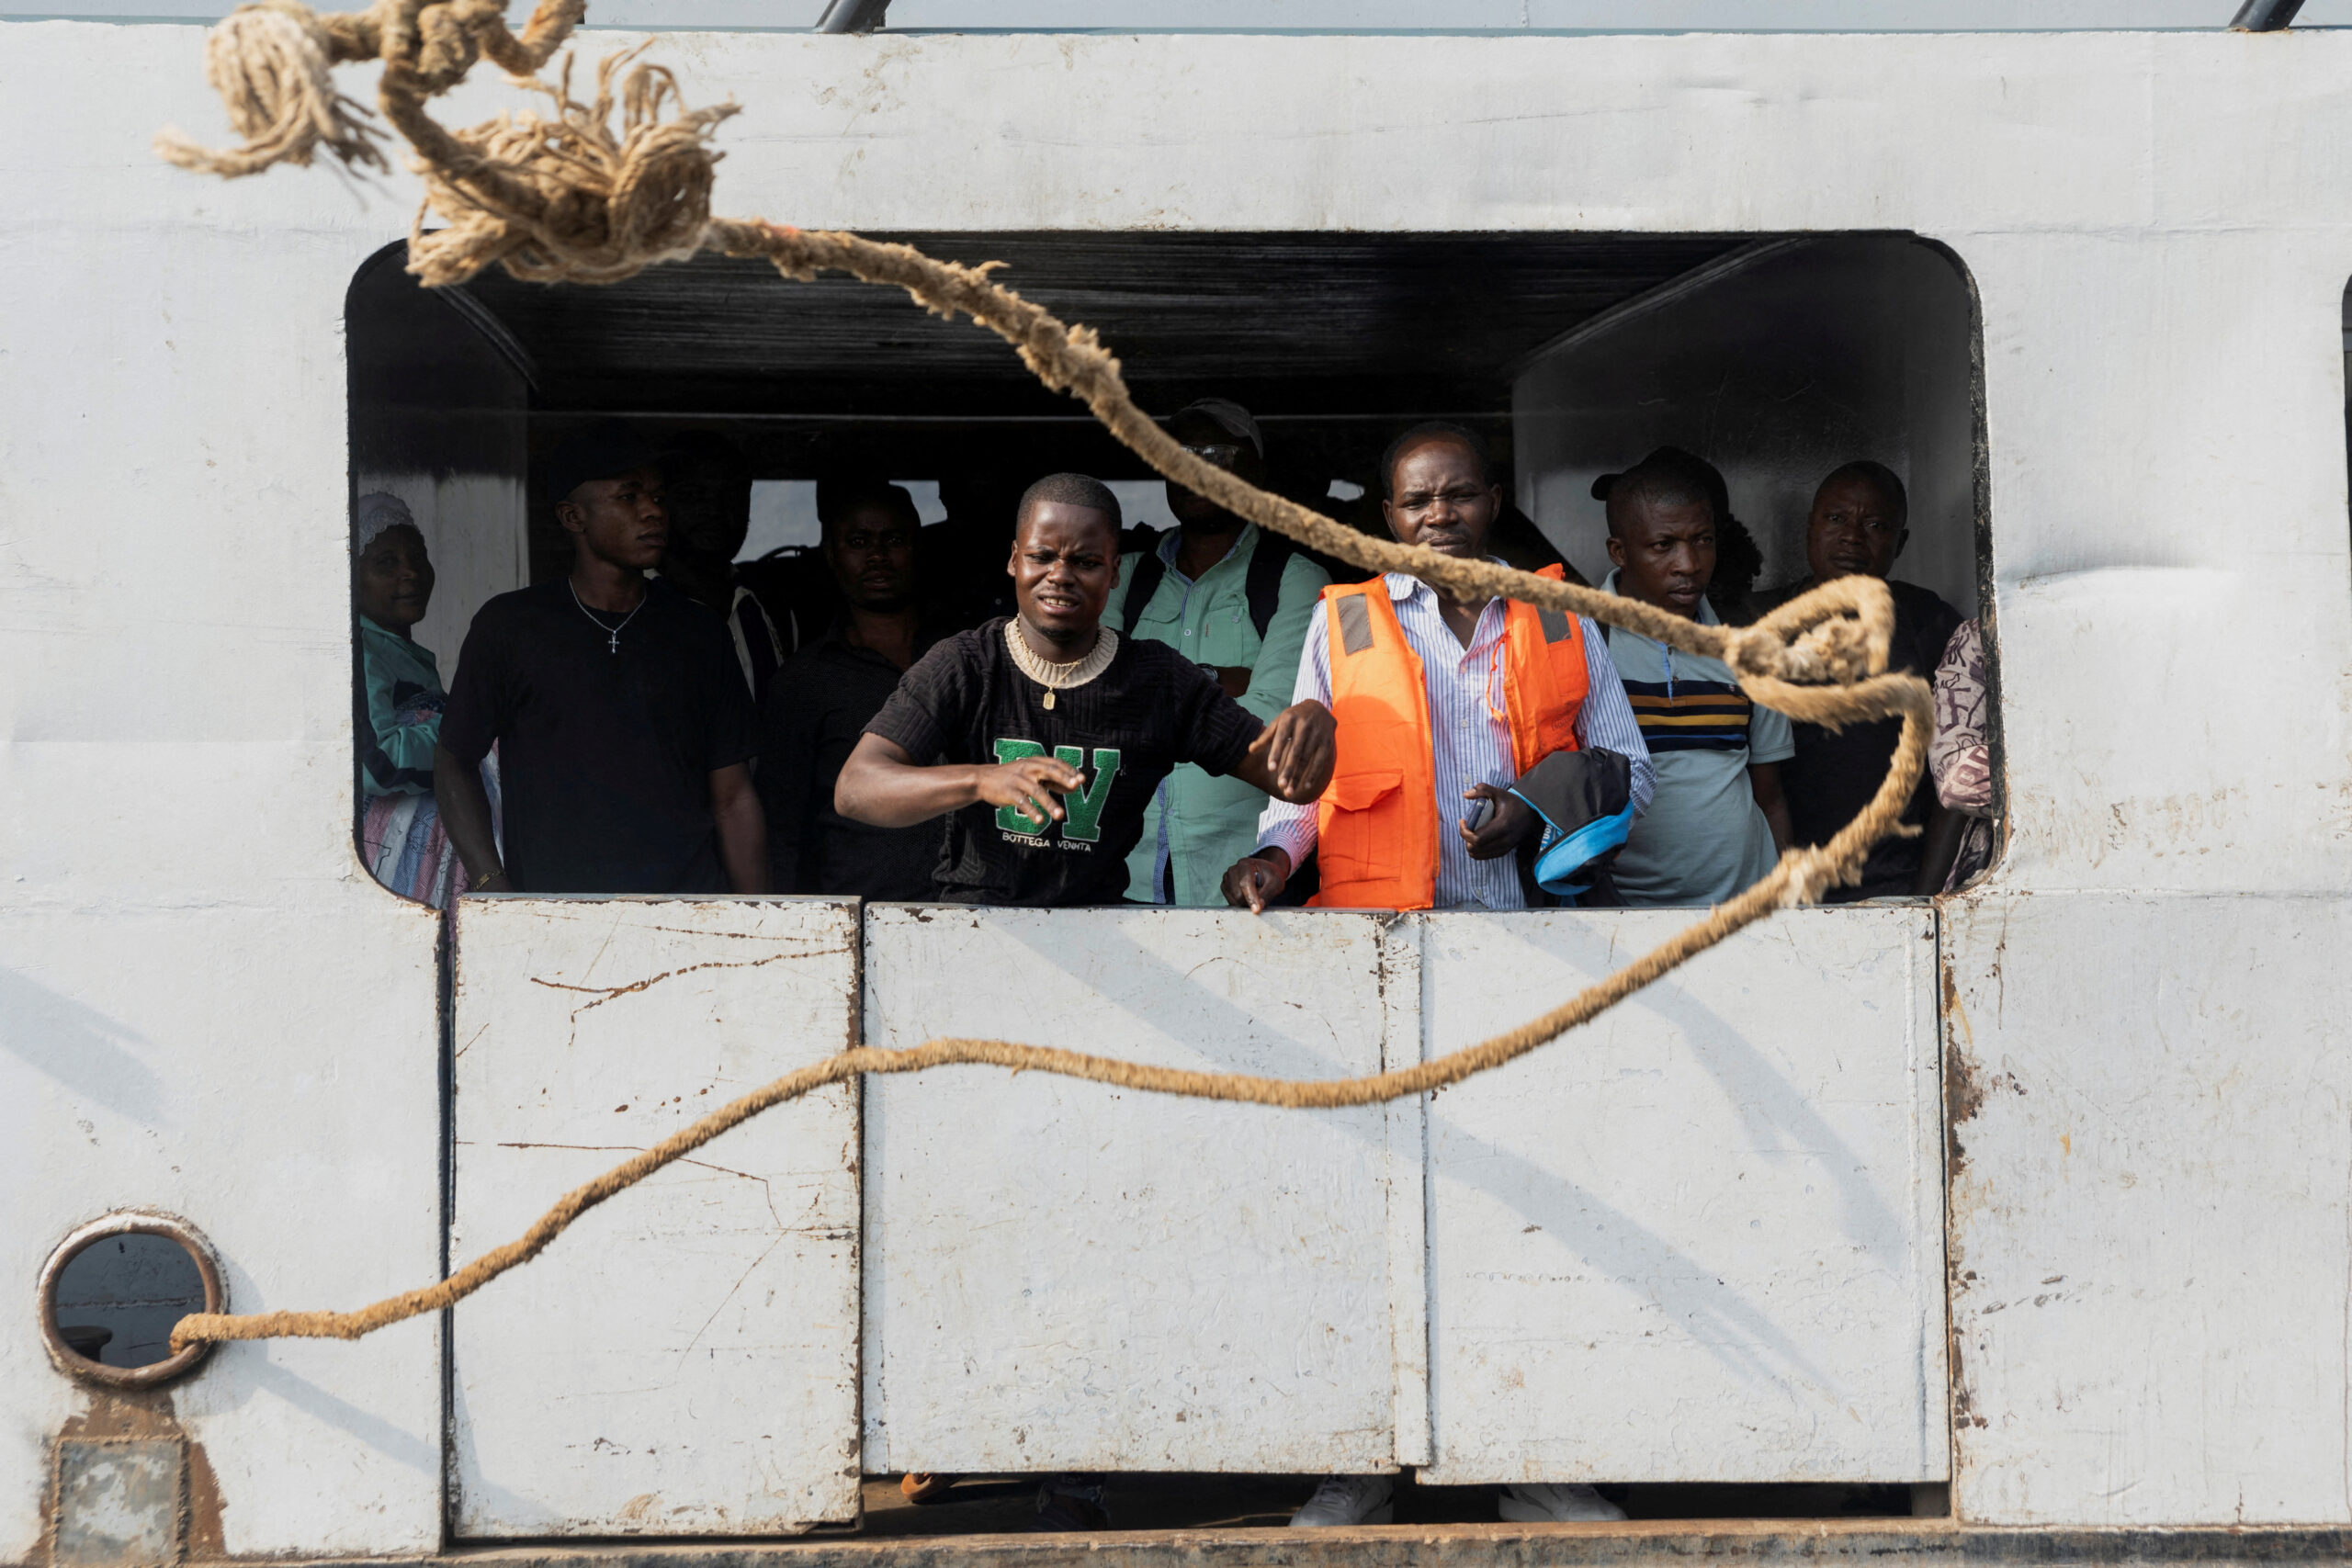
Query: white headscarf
[378,510]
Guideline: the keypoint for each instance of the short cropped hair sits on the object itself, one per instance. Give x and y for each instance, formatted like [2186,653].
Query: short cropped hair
[1070,490]
[1668,476]
[836,499]
[1880,475]
[1421,435]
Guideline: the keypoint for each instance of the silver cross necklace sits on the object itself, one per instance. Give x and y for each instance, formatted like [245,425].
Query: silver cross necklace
[612,634]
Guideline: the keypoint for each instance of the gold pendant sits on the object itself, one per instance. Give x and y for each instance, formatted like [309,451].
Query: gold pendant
[1049,696]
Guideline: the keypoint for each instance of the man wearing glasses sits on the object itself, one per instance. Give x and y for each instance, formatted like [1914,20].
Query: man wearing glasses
[1235,601]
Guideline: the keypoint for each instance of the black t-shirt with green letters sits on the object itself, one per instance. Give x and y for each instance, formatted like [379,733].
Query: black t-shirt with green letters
[966,701]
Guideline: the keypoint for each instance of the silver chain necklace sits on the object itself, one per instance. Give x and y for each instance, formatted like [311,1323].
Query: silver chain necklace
[612,634]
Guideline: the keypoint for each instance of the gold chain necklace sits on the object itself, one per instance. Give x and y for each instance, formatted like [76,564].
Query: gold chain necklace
[1061,677]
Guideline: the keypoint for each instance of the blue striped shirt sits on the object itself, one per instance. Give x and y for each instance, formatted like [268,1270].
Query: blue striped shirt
[1472,744]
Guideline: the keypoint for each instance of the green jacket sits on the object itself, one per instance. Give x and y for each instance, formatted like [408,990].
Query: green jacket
[404,701]
[1204,824]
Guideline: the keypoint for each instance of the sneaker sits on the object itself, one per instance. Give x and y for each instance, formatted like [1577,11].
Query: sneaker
[1068,1504]
[1553,1503]
[1349,1500]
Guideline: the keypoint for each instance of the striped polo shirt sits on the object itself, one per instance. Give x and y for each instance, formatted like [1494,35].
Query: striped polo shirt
[1704,838]
[1687,715]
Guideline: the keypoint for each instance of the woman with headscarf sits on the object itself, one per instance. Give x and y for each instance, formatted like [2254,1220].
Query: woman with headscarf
[401,700]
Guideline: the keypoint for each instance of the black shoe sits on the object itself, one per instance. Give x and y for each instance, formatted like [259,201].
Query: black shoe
[1069,1502]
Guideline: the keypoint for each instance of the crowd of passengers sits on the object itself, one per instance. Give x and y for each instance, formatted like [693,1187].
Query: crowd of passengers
[1085,715]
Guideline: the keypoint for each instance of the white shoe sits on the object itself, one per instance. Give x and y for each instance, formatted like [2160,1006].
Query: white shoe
[1349,1500]
[1553,1503]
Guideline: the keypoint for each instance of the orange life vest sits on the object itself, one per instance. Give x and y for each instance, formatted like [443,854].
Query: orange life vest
[1378,822]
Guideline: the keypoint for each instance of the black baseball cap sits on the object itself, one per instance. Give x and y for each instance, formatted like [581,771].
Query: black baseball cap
[598,451]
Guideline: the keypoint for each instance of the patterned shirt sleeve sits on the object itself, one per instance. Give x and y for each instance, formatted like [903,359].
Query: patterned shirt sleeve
[404,707]
[1283,825]
[1607,719]
[1958,756]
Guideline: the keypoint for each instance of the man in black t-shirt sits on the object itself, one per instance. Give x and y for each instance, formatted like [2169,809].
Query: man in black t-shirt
[625,728]
[1858,525]
[820,702]
[1053,731]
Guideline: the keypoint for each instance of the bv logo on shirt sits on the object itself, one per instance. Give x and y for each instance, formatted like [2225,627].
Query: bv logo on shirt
[1085,820]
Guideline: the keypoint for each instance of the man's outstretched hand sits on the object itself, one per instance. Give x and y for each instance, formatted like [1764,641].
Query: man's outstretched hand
[1251,881]
[1030,785]
[1290,759]
[881,785]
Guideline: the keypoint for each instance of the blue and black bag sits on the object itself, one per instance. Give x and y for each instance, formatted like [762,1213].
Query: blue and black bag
[1586,801]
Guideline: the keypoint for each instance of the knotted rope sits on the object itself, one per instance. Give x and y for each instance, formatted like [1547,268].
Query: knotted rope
[571,199]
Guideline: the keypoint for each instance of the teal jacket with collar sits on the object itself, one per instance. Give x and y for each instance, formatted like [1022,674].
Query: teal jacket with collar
[1199,823]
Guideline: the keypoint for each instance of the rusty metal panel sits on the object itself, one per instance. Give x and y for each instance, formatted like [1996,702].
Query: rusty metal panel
[1701,1239]
[684,1360]
[119,1503]
[1060,1275]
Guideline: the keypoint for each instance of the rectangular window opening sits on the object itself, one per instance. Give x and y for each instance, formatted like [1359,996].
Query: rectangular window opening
[1778,359]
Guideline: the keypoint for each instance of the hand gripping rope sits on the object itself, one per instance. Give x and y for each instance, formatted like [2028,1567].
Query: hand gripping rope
[571,199]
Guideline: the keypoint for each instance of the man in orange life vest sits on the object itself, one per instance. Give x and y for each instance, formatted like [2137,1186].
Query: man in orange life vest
[1441,703]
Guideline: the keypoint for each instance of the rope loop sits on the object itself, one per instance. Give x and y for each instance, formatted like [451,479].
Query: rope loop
[567,197]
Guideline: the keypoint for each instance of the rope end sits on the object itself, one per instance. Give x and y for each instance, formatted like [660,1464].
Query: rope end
[271,63]
[195,1329]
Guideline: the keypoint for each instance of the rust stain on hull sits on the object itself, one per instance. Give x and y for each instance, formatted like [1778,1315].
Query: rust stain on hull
[146,1415]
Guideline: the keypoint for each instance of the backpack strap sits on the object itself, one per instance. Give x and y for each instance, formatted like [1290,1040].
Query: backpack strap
[1264,584]
[1149,569]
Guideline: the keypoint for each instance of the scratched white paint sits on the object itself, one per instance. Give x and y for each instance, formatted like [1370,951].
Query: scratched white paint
[162,1061]
[682,1361]
[1066,1275]
[2148,1242]
[1700,1240]
[2158,230]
